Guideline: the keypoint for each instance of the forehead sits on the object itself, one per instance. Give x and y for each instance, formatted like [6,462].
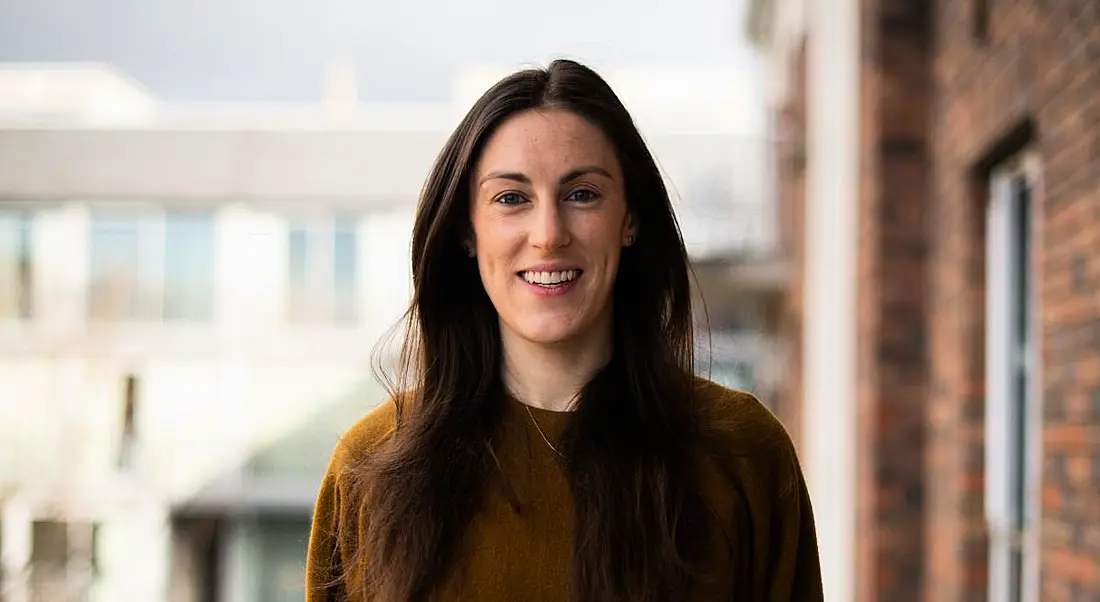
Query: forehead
[546,141]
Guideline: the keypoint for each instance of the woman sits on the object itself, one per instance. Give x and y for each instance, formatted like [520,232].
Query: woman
[549,440]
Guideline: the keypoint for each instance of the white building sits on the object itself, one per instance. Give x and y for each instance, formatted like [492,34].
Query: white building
[188,301]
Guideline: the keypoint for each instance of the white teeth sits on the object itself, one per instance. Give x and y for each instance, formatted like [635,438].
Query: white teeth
[550,278]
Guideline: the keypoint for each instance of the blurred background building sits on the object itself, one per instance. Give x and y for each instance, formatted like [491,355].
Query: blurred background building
[189,296]
[189,302]
[939,187]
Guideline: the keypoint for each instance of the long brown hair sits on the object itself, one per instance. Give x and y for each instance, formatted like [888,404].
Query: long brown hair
[637,512]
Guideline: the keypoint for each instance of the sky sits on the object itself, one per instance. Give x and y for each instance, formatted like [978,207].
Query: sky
[276,50]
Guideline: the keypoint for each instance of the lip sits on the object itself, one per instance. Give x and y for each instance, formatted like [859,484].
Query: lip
[556,291]
[550,267]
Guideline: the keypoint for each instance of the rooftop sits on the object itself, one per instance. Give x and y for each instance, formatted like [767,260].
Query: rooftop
[93,95]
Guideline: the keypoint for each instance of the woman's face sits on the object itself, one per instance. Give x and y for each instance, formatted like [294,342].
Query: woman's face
[549,220]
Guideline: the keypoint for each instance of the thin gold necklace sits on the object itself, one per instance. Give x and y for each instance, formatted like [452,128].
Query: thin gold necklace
[542,434]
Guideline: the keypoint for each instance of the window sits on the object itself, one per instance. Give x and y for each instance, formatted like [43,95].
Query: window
[16,265]
[189,266]
[122,272]
[323,274]
[282,545]
[1011,392]
[64,561]
[152,266]
[129,411]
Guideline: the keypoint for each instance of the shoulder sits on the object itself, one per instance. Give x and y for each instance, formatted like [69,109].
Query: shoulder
[760,474]
[374,428]
[743,431]
[333,533]
[740,419]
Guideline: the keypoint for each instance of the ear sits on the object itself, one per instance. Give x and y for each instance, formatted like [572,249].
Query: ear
[468,245]
[630,230]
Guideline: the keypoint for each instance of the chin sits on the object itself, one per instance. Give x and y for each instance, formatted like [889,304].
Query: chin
[547,336]
[549,331]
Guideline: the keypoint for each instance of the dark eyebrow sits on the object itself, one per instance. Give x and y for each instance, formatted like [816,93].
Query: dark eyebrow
[580,171]
[505,175]
[523,179]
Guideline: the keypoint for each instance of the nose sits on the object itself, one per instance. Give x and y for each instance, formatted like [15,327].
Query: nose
[549,229]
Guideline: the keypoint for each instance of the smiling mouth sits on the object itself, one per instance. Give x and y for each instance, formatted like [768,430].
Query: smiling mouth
[550,279]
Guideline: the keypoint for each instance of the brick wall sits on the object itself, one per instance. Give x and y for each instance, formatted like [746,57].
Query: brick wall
[1029,76]
[892,269]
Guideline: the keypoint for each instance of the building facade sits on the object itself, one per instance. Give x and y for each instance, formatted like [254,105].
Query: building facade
[940,173]
[188,306]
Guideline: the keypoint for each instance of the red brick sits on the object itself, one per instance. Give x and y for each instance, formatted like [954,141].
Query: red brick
[1079,471]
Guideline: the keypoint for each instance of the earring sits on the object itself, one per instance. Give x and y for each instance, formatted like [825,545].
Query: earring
[629,239]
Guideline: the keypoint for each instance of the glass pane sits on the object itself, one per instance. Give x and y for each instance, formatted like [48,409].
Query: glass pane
[345,269]
[114,276]
[298,242]
[1021,253]
[16,265]
[281,553]
[189,266]
[49,544]
[297,264]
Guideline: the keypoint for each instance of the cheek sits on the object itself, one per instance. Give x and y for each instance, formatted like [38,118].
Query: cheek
[493,270]
[604,239]
[490,240]
[496,252]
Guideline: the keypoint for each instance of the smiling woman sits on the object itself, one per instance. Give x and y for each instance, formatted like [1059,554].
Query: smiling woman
[548,440]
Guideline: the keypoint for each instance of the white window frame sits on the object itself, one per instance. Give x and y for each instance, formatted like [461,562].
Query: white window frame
[1004,421]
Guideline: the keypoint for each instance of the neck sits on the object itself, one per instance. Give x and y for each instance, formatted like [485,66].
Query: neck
[551,376]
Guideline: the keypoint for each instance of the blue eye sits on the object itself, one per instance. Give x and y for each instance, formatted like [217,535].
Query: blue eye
[582,195]
[509,198]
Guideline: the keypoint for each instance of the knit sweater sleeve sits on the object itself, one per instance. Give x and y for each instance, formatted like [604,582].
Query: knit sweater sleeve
[759,458]
[323,565]
[334,532]
[792,572]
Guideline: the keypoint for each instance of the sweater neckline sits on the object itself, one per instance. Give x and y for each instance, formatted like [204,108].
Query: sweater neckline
[552,422]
